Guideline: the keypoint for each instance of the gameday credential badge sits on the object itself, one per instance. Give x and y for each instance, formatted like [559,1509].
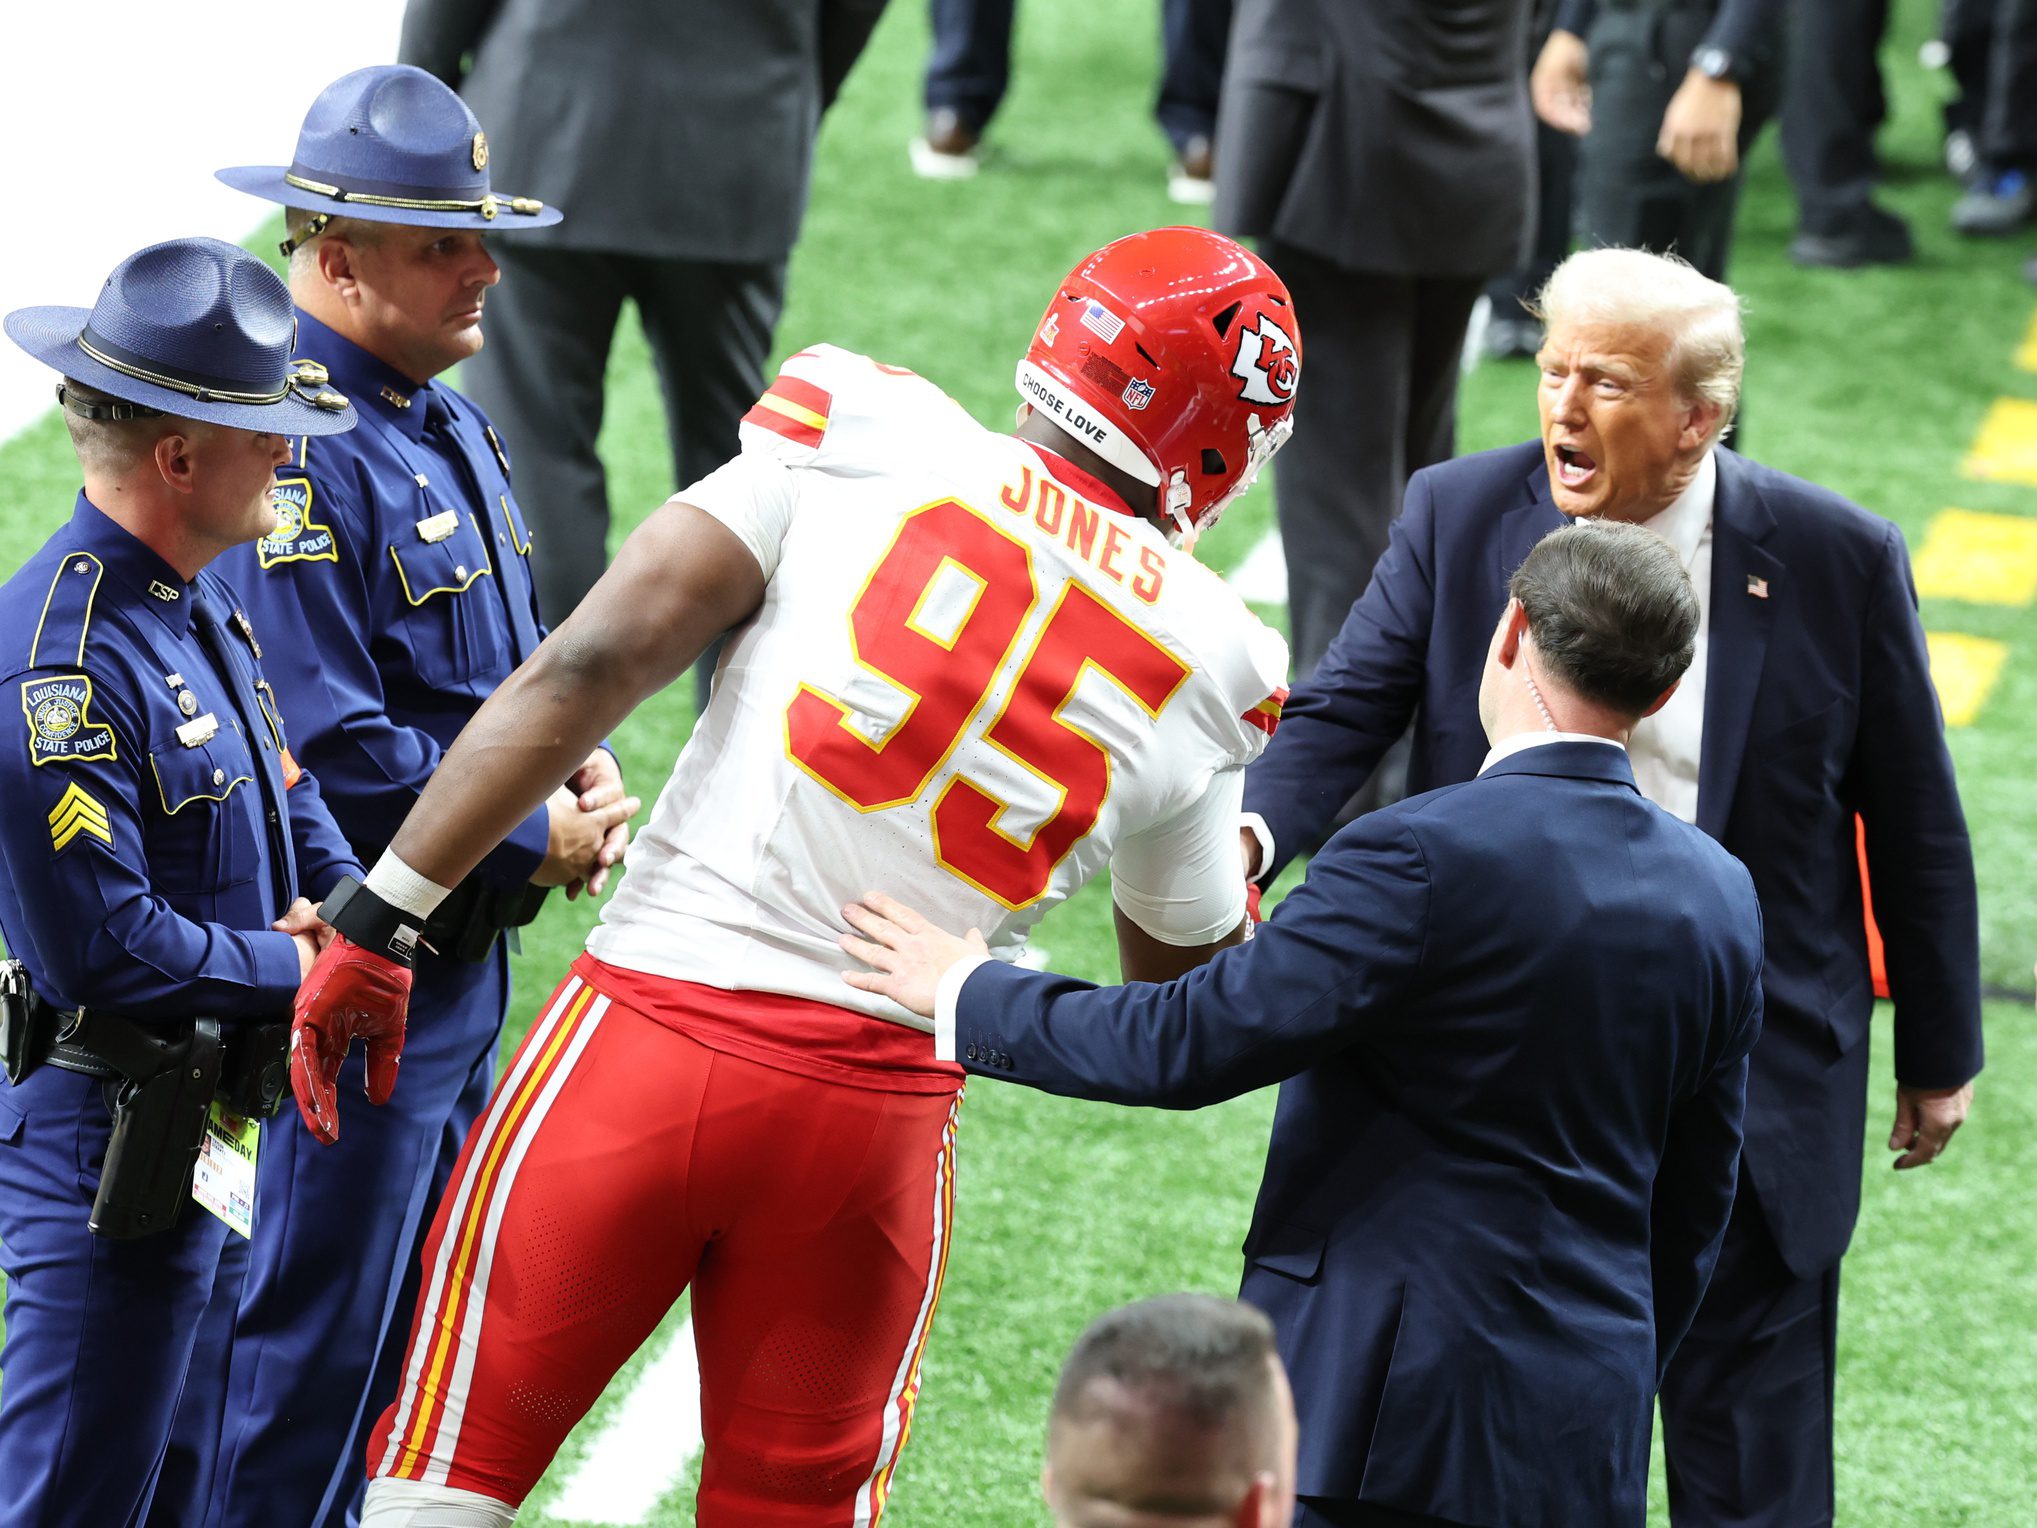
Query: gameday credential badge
[60,724]
[297,537]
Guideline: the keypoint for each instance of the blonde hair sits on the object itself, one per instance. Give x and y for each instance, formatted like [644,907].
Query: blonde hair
[1700,316]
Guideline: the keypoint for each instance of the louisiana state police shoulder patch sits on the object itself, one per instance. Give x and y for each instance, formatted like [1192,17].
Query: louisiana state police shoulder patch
[60,724]
[297,536]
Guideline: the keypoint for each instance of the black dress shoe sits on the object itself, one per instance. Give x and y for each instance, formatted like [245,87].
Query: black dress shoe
[1871,236]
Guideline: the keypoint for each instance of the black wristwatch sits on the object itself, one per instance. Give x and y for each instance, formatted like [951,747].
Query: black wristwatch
[1714,63]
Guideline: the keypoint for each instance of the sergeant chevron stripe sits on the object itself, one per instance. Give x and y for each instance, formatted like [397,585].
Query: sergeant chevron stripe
[78,812]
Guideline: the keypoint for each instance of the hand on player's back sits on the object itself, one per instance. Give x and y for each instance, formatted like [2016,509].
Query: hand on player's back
[910,954]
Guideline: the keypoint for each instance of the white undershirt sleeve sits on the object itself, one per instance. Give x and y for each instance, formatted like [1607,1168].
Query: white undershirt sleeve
[754,496]
[1182,881]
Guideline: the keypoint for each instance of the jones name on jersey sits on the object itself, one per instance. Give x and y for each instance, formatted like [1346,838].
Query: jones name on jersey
[976,679]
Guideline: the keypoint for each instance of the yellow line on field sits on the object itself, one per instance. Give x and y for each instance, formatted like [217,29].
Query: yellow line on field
[1989,559]
[1965,670]
[2026,355]
[2005,450]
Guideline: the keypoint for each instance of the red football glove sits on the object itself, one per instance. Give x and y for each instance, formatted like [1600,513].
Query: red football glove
[350,992]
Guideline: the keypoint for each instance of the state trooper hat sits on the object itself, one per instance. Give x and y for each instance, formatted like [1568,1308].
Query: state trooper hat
[392,144]
[197,328]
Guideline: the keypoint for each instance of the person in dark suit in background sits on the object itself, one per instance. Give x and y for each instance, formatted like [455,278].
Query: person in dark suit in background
[1515,1013]
[969,71]
[682,137]
[1810,701]
[1383,155]
[1668,96]
[1177,1407]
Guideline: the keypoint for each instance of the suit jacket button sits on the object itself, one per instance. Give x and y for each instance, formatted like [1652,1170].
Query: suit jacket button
[970,1053]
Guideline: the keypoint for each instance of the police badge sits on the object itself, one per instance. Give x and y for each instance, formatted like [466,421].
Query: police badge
[297,537]
[60,724]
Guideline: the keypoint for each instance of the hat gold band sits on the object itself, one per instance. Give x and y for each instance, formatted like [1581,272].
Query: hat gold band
[487,206]
[307,379]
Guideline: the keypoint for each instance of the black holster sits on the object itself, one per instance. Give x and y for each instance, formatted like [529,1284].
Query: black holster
[467,923]
[160,1104]
[255,1077]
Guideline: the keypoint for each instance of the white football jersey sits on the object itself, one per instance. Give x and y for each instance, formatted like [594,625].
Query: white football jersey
[975,681]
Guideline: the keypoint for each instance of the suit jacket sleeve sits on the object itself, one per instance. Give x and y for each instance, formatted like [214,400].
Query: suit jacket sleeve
[845,27]
[438,34]
[1695,1184]
[1335,728]
[1343,951]
[1919,857]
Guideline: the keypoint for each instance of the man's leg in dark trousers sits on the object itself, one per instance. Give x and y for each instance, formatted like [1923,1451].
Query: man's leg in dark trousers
[1747,1401]
[1193,38]
[970,65]
[540,377]
[1627,193]
[709,324]
[1378,402]
[1832,103]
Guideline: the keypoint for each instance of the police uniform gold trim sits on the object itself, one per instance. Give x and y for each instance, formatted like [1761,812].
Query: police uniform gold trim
[75,564]
[487,205]
[78,811]
[459,571]
[226,787]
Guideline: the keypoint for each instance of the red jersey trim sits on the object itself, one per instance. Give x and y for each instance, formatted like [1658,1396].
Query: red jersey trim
[1266,715]
[792,1034]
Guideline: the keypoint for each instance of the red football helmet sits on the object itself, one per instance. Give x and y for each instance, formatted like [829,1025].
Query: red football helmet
[1173,355]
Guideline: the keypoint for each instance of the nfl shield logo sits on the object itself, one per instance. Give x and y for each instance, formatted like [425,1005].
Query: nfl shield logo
[1138,394]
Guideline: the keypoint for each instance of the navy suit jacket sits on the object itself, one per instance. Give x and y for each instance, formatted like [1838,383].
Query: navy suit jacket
[1818,705]
[1516,1015]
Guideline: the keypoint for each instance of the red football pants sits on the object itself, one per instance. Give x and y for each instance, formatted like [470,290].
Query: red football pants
[621,1161]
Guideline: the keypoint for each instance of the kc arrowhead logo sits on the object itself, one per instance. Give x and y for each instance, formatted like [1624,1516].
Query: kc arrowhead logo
[1266,363]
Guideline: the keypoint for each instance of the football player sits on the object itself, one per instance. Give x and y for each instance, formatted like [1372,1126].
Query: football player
[974,667]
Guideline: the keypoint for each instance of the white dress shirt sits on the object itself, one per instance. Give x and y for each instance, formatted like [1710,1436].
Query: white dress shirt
[1665,748]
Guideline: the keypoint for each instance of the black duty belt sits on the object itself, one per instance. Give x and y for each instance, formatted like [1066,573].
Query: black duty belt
[474,914]
[161,1082]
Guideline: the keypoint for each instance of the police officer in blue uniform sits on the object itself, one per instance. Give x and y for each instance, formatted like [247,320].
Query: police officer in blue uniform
[402,549]
[159,842]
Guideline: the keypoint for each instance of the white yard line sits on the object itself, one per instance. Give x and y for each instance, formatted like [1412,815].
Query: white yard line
[113,117]
[644,1450]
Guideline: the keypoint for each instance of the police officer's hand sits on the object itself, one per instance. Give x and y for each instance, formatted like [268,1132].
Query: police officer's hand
[1560,85]
[599,784]
[1701,129]
[311,932]
[577,837]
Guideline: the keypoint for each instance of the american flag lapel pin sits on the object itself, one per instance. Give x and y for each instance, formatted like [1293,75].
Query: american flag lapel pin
[1758,587]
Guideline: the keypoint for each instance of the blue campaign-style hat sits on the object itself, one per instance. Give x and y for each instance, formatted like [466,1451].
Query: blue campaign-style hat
[392,144]
[197,328]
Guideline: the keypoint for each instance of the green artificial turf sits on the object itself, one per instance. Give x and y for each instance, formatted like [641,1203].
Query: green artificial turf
[1870,382]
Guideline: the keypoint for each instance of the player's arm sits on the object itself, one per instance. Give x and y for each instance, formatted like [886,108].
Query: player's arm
[681,580]
[1175,888]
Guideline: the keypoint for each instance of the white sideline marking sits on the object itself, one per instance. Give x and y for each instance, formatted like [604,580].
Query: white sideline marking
[640,1455]
[231,80]
[1261,579]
